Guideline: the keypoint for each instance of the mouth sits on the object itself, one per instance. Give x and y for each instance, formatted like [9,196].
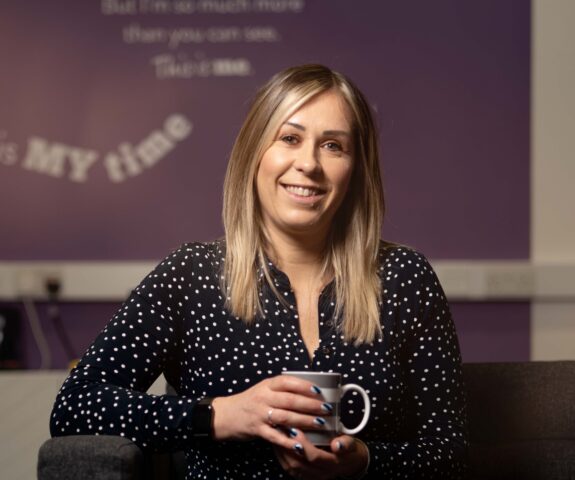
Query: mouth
[303,191]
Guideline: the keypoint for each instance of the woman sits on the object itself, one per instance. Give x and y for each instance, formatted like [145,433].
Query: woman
[300,282]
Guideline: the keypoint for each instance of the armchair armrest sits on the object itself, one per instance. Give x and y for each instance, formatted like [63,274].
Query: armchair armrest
[90,457]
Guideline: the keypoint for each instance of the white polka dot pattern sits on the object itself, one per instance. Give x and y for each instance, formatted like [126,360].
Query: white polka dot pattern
[174,322]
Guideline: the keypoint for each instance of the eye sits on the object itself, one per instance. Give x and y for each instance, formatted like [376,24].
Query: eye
[333,146]
[289,139]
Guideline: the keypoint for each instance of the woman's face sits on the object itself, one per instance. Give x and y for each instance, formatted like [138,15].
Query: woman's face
[304,175]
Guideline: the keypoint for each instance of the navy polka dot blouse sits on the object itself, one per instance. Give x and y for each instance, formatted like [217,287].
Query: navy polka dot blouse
[175,323]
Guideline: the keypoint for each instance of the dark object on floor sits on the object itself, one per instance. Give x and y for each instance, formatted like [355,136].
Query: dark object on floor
[10,327]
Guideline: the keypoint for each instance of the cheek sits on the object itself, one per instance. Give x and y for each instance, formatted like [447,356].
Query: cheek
[266,178]
[266,166]
[272,166]
[341,177]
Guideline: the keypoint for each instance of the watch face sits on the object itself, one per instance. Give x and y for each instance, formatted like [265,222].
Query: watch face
[202,418]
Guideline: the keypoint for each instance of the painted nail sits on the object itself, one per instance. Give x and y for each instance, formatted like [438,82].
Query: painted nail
[293,432]
[315,389]
[327,407]
[319,421]
[339,445]
[298,448]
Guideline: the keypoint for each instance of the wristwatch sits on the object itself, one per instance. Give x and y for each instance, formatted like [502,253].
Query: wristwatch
[202,418]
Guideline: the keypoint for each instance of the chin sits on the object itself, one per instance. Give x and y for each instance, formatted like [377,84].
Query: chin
[308,226]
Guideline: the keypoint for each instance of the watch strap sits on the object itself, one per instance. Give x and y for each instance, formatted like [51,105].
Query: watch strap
[202,418]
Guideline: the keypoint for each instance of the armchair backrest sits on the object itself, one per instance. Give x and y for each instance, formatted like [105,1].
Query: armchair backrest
[521,419]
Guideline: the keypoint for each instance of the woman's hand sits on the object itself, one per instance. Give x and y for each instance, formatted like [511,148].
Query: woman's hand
[347,457]
[270,410]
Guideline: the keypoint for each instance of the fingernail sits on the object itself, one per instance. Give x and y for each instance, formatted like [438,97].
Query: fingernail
[319,421]
[315,389]
[293,432]
[339,445]
[298,448]
[327,407]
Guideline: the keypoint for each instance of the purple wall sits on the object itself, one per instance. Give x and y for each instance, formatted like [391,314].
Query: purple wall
[487,331]
[449,81]
[81,321]
[493,332]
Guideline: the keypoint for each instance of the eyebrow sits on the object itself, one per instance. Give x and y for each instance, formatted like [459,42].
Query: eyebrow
[325,132]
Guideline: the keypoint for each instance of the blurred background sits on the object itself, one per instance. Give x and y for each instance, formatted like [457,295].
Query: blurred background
[117,118]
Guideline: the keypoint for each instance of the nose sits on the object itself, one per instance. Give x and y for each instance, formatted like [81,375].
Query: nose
[307,160]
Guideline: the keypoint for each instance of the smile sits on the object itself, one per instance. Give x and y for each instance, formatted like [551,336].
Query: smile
[303,191]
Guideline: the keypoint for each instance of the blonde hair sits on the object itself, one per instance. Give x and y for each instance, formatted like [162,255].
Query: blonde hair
[353,245]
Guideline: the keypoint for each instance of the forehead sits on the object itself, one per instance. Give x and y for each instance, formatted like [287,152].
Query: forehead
[329,109]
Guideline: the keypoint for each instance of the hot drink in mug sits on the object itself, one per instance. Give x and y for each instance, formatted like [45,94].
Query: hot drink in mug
[332,392]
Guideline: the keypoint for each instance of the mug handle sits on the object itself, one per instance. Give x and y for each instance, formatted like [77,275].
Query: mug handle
[367,408]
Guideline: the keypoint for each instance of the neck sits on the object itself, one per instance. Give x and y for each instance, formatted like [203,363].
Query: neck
[301,259]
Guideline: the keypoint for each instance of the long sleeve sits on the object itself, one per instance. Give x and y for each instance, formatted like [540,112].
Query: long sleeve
[104,394]
[176,322]
[435,442]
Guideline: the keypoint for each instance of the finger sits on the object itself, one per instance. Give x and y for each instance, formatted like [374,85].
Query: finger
[297,466]
[287,383]
[290,442]
[292,465]
[300,403]
[317,457]
[343,444]
[282,457]
[287,419]
[290,458]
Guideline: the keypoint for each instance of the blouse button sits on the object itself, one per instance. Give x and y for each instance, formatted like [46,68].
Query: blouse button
[325,350]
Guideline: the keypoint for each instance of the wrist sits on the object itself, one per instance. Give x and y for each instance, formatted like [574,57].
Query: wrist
[219,430]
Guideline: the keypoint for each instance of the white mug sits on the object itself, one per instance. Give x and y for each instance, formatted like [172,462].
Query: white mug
[332,391]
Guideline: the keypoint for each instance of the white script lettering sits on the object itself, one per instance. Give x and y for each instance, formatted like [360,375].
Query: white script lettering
[52,159]
[130,160]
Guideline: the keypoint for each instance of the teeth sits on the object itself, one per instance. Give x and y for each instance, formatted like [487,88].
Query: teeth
[301,191]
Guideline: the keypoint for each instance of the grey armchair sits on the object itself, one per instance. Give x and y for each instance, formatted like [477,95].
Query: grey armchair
[521,420]
[521,426]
